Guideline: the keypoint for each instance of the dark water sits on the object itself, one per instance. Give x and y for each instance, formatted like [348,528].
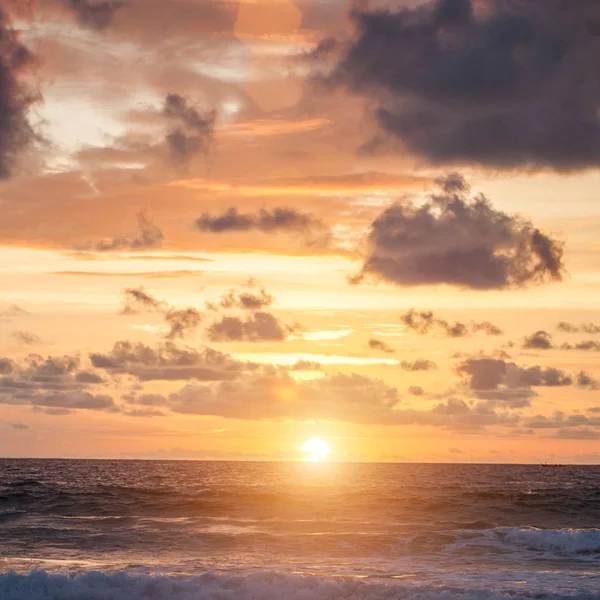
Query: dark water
[211,530]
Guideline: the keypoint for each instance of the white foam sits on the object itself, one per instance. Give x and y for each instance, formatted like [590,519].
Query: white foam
[563,541]
[39,585]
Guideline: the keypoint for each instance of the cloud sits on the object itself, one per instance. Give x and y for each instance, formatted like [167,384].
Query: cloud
[305,365]
[421,364]
[451,239]
[95,14]
[148,237]
[381,346]
[53,382]
[258,327]
[168,362]
[244,300]
[349,398]
[540,340]
[6,366]
[504,84]
[26,338]
[18,425]
[566,327]
[499,381]
[16,133]
[310,230]
[13,311]
[422,322]
[193,131]
[180,321]
[416,390]
[587,346]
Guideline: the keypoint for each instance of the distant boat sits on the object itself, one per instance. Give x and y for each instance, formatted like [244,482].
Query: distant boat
[551,465]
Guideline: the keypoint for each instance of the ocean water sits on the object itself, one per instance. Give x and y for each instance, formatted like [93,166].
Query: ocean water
[133,530]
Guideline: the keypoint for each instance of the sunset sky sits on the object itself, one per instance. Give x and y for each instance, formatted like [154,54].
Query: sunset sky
[229,227]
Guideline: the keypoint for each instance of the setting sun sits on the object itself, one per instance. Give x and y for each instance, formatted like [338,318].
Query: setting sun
[315,449]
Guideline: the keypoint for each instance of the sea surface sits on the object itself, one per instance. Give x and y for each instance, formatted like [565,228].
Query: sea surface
[161,530]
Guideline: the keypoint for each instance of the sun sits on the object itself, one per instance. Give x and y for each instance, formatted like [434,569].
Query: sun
[316,450]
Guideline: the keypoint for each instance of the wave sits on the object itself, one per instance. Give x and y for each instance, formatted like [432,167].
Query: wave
[562,541]
[40,585]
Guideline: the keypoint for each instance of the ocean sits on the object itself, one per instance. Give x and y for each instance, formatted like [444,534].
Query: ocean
[162,530]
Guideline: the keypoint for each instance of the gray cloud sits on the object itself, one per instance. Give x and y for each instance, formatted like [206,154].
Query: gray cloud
[421,364]
[245,300]
[168,362]
[13,311]
[258,327]
[95,14]
[148,237]
[310,230]
[18,425]
[540,340]
[381,346]
[451,239]
[180,321]
[6,366]
[499,381]
[193,131]
[416,390]
[500,83]
[424,322]
[590,328]
[16,133]
[26,338]
[587,346]
[53,382]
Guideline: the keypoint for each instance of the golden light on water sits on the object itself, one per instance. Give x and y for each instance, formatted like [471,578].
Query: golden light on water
[316,450]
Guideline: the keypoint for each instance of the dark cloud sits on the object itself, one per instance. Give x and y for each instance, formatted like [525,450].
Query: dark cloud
[144,412]
[245,300]
[193,131]
[590,328]
[497,380]
[180,321]
[587,346]
[168,362]
[16,133]
[500,83]
[14,311]
[381,346]
[582,433]
[575,426]
[95,14]
[18,425]
[540,340]
[451,239]
[423,322]
[258,327]
[148,237]
[53,382]
[312,231]
[137,300]
[26,338]
[6,366]
[416,390]
[421,364]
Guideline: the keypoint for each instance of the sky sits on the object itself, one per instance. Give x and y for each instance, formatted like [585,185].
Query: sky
[230,227]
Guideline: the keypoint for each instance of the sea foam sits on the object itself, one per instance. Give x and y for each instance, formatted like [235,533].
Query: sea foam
[40,585]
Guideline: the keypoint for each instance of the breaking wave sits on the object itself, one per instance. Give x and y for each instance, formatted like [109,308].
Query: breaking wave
[40,585]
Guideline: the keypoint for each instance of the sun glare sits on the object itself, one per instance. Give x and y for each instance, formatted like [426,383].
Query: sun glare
[315,449]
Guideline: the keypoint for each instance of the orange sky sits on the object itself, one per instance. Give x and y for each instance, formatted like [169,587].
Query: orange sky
[280,229]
